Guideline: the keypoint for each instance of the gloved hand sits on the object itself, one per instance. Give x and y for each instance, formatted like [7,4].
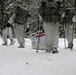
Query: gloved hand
[74,18]
[27,30]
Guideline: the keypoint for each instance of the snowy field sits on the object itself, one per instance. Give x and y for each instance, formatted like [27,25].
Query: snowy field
[17,61]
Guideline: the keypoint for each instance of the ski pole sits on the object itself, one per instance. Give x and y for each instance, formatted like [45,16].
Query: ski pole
[64,38]
[38,33]
[64,28]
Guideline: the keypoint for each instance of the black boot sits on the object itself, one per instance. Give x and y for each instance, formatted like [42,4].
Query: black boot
[54,50]
[70,45]
[21,46]
[4,43]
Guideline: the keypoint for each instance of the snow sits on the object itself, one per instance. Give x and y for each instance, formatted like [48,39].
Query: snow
[25,61]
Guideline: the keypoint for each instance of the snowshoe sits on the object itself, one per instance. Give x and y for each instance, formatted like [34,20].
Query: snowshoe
[21,46]
[37,51]
[54,50]
[48,50]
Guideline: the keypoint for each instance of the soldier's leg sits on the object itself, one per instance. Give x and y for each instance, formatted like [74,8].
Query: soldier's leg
[20,35]
[54,38]
[5,36]
[48,41]
[11,40]
[11,36]
[69,35]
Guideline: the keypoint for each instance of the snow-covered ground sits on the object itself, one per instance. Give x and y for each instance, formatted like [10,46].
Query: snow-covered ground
[17,61]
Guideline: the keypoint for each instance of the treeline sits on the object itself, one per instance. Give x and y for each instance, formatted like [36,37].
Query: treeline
[32,6]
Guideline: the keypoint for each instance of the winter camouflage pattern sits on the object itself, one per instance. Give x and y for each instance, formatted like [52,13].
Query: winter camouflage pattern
[69,13]
[21,15]
[50,12]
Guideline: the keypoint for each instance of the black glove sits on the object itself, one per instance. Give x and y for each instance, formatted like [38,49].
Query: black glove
[27,30]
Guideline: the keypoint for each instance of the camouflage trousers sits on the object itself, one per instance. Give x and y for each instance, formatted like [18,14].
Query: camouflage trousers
[69,33]
[19,32]
[51,35]
[7,32]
